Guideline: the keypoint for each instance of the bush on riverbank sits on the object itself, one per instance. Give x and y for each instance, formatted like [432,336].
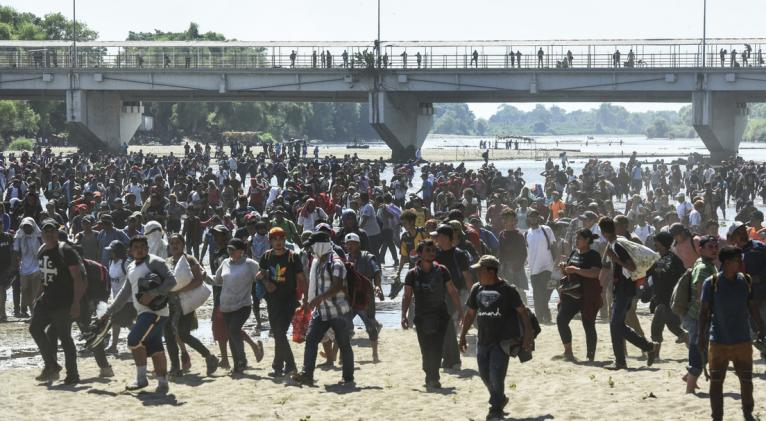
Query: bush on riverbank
[21,144]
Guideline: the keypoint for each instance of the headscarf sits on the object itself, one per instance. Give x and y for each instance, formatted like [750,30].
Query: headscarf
[29,243]
[155,239]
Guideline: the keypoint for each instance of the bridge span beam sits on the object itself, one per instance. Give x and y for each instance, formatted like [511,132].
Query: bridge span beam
[402,121]
[720,120]
[101,119]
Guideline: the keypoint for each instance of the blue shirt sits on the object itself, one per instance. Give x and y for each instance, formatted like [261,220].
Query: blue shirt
[730,319]
[754,258]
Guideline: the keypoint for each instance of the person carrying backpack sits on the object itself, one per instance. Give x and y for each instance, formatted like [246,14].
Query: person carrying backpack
[367,271]
[726,308]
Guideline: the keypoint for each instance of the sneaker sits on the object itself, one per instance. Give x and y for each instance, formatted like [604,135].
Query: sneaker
[72,379]
[495,414]
[433,384]
[303,378]
[212,364]
[162,388]
[185,361]
[617,366]
[175,373]
[345,382]
[105,372]
[137,385]
[49,374]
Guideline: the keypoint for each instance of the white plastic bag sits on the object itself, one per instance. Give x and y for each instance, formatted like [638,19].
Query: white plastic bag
[182,273]
[193,299]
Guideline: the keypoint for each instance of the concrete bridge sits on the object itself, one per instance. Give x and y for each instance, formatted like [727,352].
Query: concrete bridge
[104,83]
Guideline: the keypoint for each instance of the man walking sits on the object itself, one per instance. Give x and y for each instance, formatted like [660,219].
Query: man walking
[365,264]
[282,274]
[59,305]
[540,240]
[726,307]
[429,282]
[149,281]
[498,308]
[329,305]
[26,243]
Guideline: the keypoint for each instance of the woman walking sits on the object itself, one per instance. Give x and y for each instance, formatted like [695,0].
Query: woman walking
[236,276]
[580,293]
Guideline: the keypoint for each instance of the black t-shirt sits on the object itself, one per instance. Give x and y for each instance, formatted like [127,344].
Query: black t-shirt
[429,289]
[58,285]
[495,307]
[283,272]
[588,260]
[622,285]
[6,247]
[457,261]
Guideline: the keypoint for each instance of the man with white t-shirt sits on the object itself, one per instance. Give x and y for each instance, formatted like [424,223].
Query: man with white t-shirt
[540,240]
[683,208]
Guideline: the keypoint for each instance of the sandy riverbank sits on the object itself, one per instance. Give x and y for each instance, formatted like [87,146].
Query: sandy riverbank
[446,154]
[392,390]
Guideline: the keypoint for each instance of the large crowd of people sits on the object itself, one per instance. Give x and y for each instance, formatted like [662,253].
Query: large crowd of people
[308,238]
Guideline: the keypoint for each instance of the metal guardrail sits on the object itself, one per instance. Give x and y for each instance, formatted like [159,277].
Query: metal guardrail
[192,56]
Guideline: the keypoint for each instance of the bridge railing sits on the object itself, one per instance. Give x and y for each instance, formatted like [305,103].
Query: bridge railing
[392,57]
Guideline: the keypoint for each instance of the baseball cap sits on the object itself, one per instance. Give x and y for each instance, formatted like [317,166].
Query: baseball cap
[444,229]
[317,237]
[324,227]
[734,227]
[487,261]
[221,228]
[49,223]
[277,232]
[352,237]
[115,245]
[588,215]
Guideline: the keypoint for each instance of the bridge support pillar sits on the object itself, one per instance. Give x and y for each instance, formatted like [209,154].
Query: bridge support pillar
[402,121]
[102,120]
[720,121]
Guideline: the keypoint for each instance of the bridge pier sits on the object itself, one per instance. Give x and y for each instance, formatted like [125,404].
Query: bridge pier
[402,121]
[720,121]
[101,119]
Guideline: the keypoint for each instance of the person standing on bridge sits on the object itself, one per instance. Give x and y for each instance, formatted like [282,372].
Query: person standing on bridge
[513,58]
[404,59]
[292,61]
[324,60]
[475,59]
[314,59]
[518,59]
[733,57]
[419,58]
[616,58]
[540,55]
[722,53]
[329,60]
[570,57]
[345,58]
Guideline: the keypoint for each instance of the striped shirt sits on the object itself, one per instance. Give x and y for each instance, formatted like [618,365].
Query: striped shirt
[320,280]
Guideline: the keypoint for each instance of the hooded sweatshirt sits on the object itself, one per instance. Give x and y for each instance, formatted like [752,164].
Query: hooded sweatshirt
[27,245]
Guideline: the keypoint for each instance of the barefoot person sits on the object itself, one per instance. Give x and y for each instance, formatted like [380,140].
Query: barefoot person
[429,282]
[149,280]
[726,307]
[497,307]
[59,305]
[580,294]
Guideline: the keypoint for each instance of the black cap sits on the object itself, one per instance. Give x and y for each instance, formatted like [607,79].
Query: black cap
[317,237]
[115,245]
[445,229]
[49,223]
[237,244]
[221,228]
[664,238]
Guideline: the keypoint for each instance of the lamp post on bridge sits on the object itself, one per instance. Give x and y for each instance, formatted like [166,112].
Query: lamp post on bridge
[704,32]
[74,33]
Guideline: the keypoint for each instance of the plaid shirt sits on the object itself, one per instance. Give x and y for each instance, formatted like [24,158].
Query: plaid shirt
[320,280]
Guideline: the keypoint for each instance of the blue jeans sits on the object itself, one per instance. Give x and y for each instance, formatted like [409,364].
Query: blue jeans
[493,365]
[695,358]
[317,329]
[622,332]
[234,321]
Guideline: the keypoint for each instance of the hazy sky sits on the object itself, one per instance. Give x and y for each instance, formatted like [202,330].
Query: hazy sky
[420,20]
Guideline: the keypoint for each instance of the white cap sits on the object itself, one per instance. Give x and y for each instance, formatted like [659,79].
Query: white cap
[736,225]
[351,237]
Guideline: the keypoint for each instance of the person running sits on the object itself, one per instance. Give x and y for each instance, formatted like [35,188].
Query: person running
[429,283]
[726,308]
[118,274]
[496,306]
[411,237]
[623,291]
[281,272]
[235,276]
[151,280]
[178,329]
[59,305]
[327,301]
[580,293]
[27,241]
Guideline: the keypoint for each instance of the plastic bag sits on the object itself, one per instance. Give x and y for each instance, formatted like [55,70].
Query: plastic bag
[301,320]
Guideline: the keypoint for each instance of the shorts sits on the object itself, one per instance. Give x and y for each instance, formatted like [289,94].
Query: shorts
[219,326]
[719,355]
[147,332]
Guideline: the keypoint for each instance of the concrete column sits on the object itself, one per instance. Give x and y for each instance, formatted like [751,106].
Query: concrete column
[720,121]
[402,121]
[101,120]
